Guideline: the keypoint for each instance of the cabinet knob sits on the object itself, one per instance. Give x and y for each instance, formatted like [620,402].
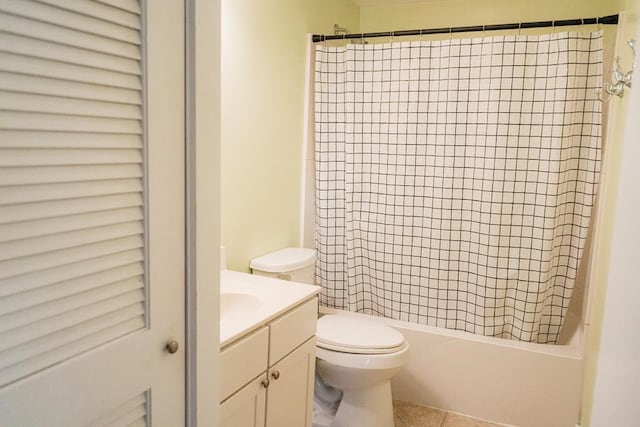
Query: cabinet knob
[275,375]
[265,382]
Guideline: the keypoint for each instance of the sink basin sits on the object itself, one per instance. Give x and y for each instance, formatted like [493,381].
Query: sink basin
[248,301]
[232,303]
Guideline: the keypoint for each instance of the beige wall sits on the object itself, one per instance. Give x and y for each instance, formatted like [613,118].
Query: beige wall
[263,74]
[446,13]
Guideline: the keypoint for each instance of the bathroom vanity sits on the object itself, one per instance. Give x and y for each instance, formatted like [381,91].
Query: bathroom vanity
[267,358]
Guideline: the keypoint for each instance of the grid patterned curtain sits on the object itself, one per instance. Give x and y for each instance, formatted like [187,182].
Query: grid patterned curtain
[455,179]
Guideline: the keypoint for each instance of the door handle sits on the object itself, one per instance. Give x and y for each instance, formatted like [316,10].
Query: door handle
[172,346]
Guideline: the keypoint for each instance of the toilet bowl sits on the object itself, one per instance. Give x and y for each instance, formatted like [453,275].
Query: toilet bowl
[355,355]
[360,357]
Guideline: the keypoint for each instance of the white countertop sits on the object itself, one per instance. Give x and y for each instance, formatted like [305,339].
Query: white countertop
[275,297]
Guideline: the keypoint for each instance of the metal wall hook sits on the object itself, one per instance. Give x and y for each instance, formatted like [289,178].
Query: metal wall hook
[620,76]
[343,32]
[338,30]
[622,80]
[616,89]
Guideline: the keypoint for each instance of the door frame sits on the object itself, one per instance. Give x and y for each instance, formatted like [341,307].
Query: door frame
[202,210]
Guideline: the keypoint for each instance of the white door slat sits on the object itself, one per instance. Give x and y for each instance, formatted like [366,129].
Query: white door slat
[26,353]
[63,352]
[38,139]
[120,411]
[46,41]
[15,337]
[66,19]
[71,239]
[139,423]
[45,192]
[77,107]
[129,5]
[68,272]
[68,223]
[21,157]
[97,10]
[49,209]
[54,123]
[66,174]
[67,89]
[68,256]
[25,299]
[48,310]
[29,157]
[20,64]
[126,420]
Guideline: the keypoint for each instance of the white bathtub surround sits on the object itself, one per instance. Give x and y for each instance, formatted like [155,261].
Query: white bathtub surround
[505,381]
[454,183]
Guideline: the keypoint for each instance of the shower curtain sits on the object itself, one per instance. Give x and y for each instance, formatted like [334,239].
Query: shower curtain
[455,179]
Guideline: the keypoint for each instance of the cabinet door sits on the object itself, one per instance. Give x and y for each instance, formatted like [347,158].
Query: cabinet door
[246,408]
[290,399]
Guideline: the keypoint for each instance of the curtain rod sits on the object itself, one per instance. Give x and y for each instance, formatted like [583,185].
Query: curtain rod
[608,20]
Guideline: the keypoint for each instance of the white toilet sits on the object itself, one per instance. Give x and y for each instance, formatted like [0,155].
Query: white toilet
[355,355]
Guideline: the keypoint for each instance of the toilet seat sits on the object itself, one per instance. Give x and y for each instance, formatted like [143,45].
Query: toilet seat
[359,361]
[352,335]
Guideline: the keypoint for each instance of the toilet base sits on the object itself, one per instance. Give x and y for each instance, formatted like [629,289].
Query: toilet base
[366,407]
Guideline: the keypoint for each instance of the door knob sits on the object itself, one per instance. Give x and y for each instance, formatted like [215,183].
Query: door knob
[172,346]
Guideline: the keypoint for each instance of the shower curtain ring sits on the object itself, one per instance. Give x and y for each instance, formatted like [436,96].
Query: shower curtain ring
[519,29]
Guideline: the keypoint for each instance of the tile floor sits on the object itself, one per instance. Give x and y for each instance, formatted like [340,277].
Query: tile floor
[411,415]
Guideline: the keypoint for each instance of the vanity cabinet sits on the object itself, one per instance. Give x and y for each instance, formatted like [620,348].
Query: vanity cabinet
[267,376]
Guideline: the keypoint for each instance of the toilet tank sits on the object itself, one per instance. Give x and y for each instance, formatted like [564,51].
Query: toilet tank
[295,264]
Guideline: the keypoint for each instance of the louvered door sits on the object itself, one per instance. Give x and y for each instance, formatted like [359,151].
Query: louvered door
[91,212]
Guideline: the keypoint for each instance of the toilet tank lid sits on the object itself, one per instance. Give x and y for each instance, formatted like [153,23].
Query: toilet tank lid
[287,259]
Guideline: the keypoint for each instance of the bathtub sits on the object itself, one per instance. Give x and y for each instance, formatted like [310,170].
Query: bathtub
[503,381]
